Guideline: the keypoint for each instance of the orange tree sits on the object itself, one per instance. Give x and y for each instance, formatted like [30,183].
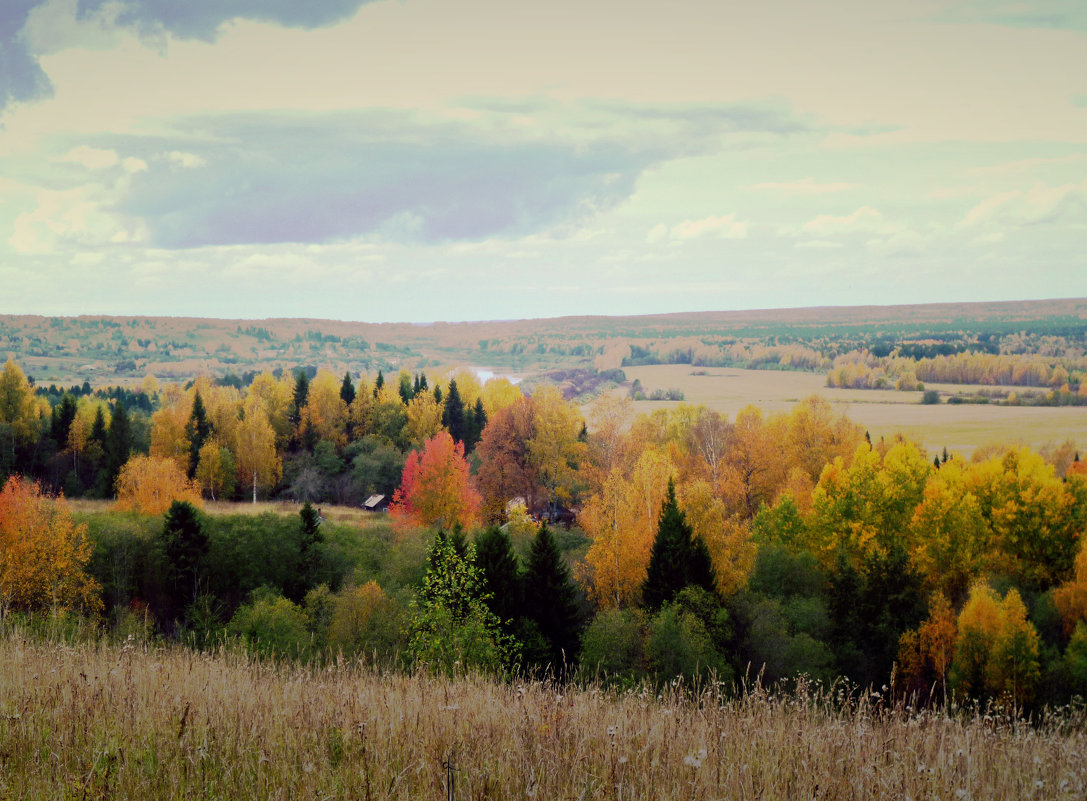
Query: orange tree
[43,553]
[435,489]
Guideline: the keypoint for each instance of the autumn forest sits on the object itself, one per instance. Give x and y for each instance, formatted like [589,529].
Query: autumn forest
[525,532]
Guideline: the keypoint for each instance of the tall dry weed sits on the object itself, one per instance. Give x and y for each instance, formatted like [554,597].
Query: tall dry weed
[106,721]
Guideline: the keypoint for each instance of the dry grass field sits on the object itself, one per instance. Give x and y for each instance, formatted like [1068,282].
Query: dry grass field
[347,515]
[959,428]
[132,722]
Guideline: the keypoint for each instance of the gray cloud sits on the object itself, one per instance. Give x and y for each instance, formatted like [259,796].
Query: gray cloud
[1057,14]
[201,19]
[21,76]
[272,177]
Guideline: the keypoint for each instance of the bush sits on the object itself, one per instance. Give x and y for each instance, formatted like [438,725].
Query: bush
[612,645]
[271,625]
[367,622]
[679,645]
[930,397]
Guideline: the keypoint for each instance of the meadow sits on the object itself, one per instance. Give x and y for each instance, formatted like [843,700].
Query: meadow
[884,413]
[133,721]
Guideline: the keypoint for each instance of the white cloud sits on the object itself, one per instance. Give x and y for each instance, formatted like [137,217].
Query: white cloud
[65,218]
[90,157]
[725,226]
[1022,165]
[186,160]
[818,244]
[805,186]
[1036,206]
[865,218]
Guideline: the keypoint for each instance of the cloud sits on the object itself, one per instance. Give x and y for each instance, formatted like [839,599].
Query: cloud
[89,157]
[1023,165]
[185,160]
[865,218]
[267,177]
[1055,14]
[805,186]
[1040,205]
[273,177]
[202,19]
[21,76]
[722,227]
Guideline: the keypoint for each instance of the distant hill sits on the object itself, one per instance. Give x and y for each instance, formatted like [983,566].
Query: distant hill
[121,350]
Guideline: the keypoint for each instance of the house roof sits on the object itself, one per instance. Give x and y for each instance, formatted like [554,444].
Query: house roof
[373,501]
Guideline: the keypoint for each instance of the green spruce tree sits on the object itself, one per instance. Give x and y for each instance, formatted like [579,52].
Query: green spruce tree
[678,558]
[551,601]
[198,429]
[453,413]
[185,544]
[500,573]
[118,447]
[347,389]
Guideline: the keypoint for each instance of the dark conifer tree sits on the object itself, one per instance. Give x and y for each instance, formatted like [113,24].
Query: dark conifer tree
[499,570]
[301,395]
[118,447]
[437,394]
[453,413]
[198,429]
[476,421]
[678,558]
[422,383]
[186,546]
[309,538]
[379,383]
[347,389]
[551,600]
[63,415]
[98,429]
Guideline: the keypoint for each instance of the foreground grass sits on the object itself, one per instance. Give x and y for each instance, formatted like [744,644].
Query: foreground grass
[103,721]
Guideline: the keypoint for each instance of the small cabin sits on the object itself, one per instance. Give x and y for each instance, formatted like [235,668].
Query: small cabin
[376,503]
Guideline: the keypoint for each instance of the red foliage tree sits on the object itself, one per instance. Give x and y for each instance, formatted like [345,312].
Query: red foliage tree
[435,489]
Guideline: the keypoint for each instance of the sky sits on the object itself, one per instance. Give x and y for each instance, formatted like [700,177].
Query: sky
[425,160]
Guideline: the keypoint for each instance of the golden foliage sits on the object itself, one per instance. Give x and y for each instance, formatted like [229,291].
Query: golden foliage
[149,484]
[43,553]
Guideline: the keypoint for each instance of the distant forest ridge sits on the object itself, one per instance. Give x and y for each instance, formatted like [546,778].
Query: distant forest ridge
[104,350]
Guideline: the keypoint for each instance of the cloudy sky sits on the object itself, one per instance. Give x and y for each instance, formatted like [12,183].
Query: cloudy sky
[483,159]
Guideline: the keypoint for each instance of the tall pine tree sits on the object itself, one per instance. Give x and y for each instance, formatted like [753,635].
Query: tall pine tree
[347,389]
[475,422]
[678,558]
[186,547]
[453,413]
[500,572]
[118,446]
[551,600]
[198,429]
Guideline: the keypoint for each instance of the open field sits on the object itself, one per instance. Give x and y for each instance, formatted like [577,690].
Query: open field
[347,515]
[100,721]
[959,428]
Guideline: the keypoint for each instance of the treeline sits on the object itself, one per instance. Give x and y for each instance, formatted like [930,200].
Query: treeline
[1063,377]
[781,544]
